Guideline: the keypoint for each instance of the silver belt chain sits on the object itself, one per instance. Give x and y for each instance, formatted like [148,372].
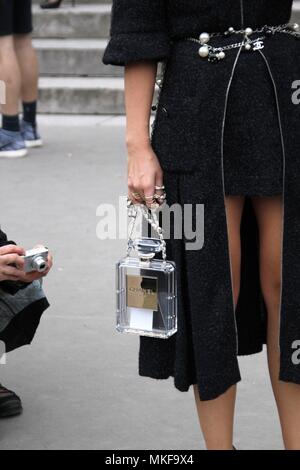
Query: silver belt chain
[214,54]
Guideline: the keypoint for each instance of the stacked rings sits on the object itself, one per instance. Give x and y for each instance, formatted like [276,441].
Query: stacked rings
[160,198]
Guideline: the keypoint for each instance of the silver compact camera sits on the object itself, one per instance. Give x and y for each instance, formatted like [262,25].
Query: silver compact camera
[36,260]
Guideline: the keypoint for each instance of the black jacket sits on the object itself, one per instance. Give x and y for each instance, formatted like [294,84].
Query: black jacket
[187,138]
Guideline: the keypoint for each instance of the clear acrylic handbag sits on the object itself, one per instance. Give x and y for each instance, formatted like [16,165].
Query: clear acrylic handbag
[146,287]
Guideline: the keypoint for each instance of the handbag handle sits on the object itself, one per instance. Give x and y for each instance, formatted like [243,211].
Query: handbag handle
[151,216]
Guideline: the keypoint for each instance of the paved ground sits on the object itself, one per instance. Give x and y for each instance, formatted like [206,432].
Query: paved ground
[79,380]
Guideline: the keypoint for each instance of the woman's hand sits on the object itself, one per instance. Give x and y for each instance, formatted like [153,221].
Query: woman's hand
[144,170]
[12,264]
[144,174]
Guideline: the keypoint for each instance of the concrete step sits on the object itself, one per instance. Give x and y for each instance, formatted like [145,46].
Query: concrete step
[82,95]
[74,57]
[78,95]
[83,21]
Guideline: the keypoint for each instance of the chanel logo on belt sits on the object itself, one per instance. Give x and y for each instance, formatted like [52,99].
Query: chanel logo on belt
[214,54]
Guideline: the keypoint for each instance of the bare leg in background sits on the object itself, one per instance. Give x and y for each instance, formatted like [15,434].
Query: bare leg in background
[10,75]
[28,64]
[287,395]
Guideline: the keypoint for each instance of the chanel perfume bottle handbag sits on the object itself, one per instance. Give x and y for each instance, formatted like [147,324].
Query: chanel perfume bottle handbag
[146,288]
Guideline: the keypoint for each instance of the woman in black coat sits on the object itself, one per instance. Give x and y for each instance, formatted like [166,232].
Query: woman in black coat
[225,135]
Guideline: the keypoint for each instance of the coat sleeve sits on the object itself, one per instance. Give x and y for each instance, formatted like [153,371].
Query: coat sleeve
[138,31]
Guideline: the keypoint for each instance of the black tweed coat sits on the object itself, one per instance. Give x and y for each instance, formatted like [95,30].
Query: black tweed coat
[187,138]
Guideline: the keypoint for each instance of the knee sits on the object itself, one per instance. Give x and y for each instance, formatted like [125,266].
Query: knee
[6,47]
[271,287]
[22,42]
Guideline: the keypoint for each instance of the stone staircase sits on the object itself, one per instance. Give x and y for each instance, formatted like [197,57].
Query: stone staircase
[70,43]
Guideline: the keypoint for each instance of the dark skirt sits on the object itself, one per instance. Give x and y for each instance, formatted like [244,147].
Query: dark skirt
[252,167]
[252,146]
[189,354]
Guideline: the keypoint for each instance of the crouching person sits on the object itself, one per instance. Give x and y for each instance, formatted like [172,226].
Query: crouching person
[22,303]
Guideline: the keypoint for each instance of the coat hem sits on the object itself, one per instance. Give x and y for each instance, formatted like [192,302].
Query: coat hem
[208,392]
[251,351]
[289,377]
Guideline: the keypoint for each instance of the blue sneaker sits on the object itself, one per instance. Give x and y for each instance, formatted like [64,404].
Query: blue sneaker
[30,135]
[12,144]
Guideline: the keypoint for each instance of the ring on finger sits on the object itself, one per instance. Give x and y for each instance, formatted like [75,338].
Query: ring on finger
[161,197]
[160,187]
[136,195]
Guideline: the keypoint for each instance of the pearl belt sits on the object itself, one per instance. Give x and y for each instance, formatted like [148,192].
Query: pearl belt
[214,54]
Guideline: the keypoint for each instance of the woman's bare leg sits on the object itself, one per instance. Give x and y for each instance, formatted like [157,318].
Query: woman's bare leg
[287,395]
[28,65]
[216,416]
[10,75]
[216,419]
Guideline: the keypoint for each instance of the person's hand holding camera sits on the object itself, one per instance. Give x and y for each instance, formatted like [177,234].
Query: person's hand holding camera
[12,265]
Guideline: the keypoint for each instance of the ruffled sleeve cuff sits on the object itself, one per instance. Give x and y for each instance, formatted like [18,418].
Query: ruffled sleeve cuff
[123,48]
